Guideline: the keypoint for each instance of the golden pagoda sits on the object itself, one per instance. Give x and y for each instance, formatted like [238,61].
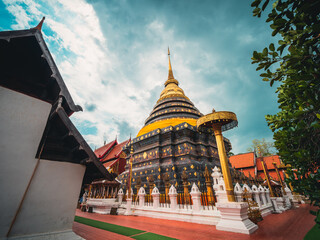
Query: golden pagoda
[169,144]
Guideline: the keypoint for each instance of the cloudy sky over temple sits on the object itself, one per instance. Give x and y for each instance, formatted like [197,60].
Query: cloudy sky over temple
[113,57]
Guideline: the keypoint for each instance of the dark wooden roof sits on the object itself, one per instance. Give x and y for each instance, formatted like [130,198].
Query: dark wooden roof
[27,66]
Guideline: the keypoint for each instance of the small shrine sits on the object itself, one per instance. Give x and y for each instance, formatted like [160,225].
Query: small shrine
[100,196]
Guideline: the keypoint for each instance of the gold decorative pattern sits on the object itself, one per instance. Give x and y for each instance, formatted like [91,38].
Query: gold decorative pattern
[145,155]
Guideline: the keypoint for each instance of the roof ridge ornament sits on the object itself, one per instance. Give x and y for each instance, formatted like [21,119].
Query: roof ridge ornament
[39,26]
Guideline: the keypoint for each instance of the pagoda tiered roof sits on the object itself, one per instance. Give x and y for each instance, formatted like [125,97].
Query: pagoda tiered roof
[172,108]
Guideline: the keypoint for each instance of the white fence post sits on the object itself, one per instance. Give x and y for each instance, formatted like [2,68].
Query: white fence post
[156,197]
[256,195]
[262,195]
[173,197]
[238,192]
[141,195]
[195,194]
[120,196]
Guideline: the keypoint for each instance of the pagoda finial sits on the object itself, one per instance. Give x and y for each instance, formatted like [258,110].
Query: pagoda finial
[39,26]
[170,75]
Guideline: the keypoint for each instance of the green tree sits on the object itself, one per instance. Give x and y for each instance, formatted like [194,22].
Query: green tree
[295,63]
[266,148]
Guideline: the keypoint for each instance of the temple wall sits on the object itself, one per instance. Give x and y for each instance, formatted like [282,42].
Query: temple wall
[54,184]
[22,122]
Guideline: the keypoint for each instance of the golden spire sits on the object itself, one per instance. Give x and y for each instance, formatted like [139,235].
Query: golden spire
[170,75]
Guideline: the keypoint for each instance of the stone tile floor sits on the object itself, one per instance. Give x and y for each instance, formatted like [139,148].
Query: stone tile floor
[292,224]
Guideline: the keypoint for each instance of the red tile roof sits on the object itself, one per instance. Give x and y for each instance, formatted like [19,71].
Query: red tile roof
[247,171]
[102,150]
[115,152]
[268,160]
[242,160]
[109,164]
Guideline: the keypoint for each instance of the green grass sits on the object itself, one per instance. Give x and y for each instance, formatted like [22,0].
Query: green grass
[126,231]
[151,236]
[314,233]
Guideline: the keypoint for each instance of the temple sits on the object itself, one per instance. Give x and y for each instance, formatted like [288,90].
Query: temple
[44,158]
[251,165]
[112,157]
[169,144]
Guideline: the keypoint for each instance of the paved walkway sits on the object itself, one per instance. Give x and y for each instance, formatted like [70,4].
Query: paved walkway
[292,224]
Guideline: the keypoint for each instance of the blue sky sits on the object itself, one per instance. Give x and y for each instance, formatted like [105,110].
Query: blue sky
[113,58]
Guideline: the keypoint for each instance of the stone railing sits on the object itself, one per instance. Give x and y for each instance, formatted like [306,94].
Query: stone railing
[184,212]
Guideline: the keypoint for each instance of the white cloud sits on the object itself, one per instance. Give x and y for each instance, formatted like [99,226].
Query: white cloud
[125,86]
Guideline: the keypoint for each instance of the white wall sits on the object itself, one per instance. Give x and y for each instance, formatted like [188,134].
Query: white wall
[51,201]
[22,122]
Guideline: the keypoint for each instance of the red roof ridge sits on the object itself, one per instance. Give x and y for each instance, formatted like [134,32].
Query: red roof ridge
[241,154]
[115,151]
[101,151]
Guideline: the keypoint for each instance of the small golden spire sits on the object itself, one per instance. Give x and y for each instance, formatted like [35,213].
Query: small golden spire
[170,75]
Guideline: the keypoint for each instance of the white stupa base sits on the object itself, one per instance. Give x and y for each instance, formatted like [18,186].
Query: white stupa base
[234,218]
[61,235]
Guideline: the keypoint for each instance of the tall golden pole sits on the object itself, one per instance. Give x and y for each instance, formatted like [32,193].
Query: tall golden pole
[280,179]
[266,174]
[221,121]
[130,172]
[224,162]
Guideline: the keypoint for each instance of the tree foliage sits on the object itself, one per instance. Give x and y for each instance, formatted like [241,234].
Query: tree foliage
[295,63]
[264,147]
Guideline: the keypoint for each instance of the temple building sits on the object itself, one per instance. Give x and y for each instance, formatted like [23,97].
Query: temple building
[112,157]
[251,165]
[44,158]
[169,145]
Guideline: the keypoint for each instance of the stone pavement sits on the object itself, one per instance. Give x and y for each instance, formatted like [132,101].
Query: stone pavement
[292,224]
